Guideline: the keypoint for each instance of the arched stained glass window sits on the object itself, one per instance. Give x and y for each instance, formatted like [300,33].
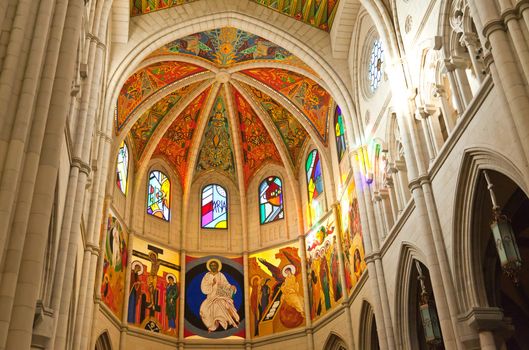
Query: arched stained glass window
[123,167]
[375,65]
[214,212]
[314,176]
[159,195]
[339,130]
[271,200]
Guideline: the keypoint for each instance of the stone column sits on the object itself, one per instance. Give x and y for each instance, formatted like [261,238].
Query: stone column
[471,42]
[304,275]
[450,73]
[394,205]
[446,108]
[460,66]
[181,318]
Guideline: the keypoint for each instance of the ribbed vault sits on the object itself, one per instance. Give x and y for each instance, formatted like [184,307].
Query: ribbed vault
[201,100]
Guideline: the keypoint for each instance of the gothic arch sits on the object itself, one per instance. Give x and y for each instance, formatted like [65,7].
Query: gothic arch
[335,342]
[367,328]
[103,342]
[408,254]
[468,276]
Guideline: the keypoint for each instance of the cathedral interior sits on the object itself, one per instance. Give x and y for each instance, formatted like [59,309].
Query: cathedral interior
[264,174]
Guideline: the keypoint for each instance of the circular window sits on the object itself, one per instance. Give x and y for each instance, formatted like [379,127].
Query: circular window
[375,65]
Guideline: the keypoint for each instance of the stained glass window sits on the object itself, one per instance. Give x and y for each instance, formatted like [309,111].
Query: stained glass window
[375,65]
[214,207]
[339,128]
[159,195]
[314,176]
[271,200]
[123,167]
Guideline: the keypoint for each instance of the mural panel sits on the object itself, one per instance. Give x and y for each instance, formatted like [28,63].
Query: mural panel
[325,288]
[214,301]
[144,127]
[276,290]
[216,150]
[229,46]
[312,99]
[154,289]
[290,129]
[257,145]
[175,144]
[114,266]
[352,238]
[146,82]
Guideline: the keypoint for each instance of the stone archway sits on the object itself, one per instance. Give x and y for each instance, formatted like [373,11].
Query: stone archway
[103,342]
[334,342]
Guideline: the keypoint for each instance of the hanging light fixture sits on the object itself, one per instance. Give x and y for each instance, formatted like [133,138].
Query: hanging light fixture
[430,321]
[504,237]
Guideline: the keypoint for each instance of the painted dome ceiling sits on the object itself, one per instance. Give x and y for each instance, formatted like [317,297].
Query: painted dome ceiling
[216,99]
[317,13]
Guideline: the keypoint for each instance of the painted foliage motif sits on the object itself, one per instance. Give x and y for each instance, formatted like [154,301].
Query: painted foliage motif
[216,150]
[229,46]
[214,207]
[122,168]
[290,129]
[146,82]
[311,99]
[154,290]
[114,266]
[276,291]
[159,195]
[325,288]
[144,127]
[271,200]
[214,304]
[352,238]
[175,144]
[257,144]
[319,14]
[141,7]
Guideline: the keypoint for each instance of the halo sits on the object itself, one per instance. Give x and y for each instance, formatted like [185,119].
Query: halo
[210,261]
[289,266]
[170,275]
[137,263]
[256,277]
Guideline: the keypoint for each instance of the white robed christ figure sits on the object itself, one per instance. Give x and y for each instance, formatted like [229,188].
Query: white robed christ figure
[218,308]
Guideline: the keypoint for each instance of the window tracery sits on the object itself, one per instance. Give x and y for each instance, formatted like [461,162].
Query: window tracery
[375,65]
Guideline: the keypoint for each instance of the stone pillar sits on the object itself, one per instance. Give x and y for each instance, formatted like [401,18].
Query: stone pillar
[450,73]
[181,319]
[446,108]
[460,67]
[471,42]
[304,275]
[394,205]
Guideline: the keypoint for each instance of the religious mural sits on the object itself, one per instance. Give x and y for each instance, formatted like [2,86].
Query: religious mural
[144,127]
[276,290]
[216,149]
[146,82]
[214,300]
[319,14]
[312,99]
[114,266]
[175,143]
[352,238]
[325,288]
[229,46]
[154,289]
[290,129]
[257,145]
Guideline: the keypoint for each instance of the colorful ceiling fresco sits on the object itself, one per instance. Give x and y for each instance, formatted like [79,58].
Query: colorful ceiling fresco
[176,141]
[146,82]
[312,99]
[141,7]
[317,13]
[292,132]
[144,127]
[216,150]
[229,46]
[257,144]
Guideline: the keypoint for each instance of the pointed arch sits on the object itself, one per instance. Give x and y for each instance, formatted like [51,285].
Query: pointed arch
[103,342]
[335,342]
[468,276]
[368,328]
[408,254]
